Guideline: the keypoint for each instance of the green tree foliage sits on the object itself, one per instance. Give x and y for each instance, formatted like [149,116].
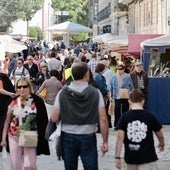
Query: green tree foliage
[79,38]
[11,10]
[78,10]
[36,32]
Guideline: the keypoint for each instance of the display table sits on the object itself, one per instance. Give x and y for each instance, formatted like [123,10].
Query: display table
[159,98]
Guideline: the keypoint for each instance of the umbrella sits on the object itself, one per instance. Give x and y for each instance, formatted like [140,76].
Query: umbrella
[7,44]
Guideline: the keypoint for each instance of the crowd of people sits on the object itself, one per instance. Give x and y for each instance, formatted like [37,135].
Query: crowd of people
[81,83]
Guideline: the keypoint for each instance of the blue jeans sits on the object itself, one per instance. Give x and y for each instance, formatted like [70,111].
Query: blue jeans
[84,146]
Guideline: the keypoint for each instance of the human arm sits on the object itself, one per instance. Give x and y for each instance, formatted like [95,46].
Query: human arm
[104,128]
[131,87]
[160,137]
[5,92]
[5,129]
[55,115]
[118,147]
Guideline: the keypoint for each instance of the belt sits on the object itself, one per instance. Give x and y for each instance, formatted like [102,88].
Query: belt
[90,134]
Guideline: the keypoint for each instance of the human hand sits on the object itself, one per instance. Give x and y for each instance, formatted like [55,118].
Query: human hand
[3,143]
[13,95]
[118,163]
[161,147]
[104,148]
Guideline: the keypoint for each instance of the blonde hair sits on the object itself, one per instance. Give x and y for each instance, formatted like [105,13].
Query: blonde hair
[27,81]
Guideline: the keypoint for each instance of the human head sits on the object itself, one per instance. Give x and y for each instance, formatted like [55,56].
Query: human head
[20,62]
[113,61]
[10,55]
[136,96]
[53,54]
[94,55]
[67,63]
[121,69]
[54,73]
[138,66]
[80,70]
[43,65]
[100,68]
[23,81]
[30,59]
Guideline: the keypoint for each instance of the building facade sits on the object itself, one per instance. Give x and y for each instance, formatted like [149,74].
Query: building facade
[121,17]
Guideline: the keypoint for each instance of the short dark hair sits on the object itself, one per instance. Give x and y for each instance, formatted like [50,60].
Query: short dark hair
[136,96]
[93,55]
[99,67]
[53,55]
[79,70]
[55,73]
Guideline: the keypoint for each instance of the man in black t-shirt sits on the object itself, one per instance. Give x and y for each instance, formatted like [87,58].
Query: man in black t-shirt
[135,130]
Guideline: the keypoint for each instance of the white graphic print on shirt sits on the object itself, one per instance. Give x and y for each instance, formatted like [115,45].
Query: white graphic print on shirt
[136,132]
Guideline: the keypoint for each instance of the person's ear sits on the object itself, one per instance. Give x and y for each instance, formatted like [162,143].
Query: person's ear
[143,101]
[87,76]
[129,102]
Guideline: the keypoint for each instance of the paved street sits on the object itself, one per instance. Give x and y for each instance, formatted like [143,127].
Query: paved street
[107,162]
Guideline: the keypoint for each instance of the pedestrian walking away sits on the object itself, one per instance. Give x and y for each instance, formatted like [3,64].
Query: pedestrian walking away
[135,130]
[80,107]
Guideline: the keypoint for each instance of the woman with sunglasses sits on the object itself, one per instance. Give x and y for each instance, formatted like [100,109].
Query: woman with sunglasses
[120,80]
[22,108]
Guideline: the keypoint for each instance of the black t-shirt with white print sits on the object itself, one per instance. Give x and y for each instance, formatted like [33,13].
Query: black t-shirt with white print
[138,126]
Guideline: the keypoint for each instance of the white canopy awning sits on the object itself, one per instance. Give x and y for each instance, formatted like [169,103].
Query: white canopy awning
[69,27]
[163,40]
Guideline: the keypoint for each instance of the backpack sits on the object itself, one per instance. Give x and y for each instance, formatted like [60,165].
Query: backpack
[22,73]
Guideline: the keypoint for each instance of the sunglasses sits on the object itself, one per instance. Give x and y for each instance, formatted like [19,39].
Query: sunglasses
[19,63]
[120,69]
[23,86]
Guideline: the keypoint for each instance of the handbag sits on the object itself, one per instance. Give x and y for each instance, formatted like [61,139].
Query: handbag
[43,93]
[123,93]
[28,138]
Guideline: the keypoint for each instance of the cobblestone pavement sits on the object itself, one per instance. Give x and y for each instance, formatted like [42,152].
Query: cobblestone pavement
[107,162]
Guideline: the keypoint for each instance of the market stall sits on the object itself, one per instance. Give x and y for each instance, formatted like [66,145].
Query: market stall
[156,61]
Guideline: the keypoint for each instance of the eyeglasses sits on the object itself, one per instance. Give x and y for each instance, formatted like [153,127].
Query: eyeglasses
[23,86]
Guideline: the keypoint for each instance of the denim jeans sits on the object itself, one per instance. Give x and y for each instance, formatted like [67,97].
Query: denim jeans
[84,146]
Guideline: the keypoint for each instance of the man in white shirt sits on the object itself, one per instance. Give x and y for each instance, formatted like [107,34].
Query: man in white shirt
[19,71]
